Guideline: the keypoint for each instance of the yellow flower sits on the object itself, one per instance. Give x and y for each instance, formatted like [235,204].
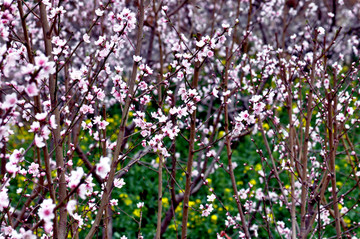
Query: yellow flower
[253,181]
[136,212]
[165,201]
[347,221]
[258,167]
[247,168]
[214,218]
[179,208]
[240,182]
[128,201]
[266,126]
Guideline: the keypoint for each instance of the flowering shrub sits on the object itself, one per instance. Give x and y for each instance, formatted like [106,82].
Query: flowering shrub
[227,119]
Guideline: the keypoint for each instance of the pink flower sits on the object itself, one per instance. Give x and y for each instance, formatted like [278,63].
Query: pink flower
[103,124]
[46,211]
[4,200]
[341,117]
[52,122]
[12,167]
[10,101]
[32,90]
[7,230]
[87,109]
[45,132]
[119,182]
[103,167]
[48,227]
[27,69]
[82,191]
[75,177]
[71,207]
[39,141]
[34,169]
[49,68]
[41,116]
[35,127]
[41,60]
[100,95]
[113,202]
[206,210]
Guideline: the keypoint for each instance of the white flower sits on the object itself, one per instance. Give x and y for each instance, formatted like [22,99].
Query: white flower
[137,58]
[200,43]
[215,92]
[86,38]
[140,204]
[76,75]
[225,25]
[211,198]
[321,31]
[99,12]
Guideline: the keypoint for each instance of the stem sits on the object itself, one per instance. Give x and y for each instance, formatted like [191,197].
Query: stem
[190,158]
[229,155]
[62,231]
[120,138]
[292,165]
[158,228]
[304,189]
[332,133]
